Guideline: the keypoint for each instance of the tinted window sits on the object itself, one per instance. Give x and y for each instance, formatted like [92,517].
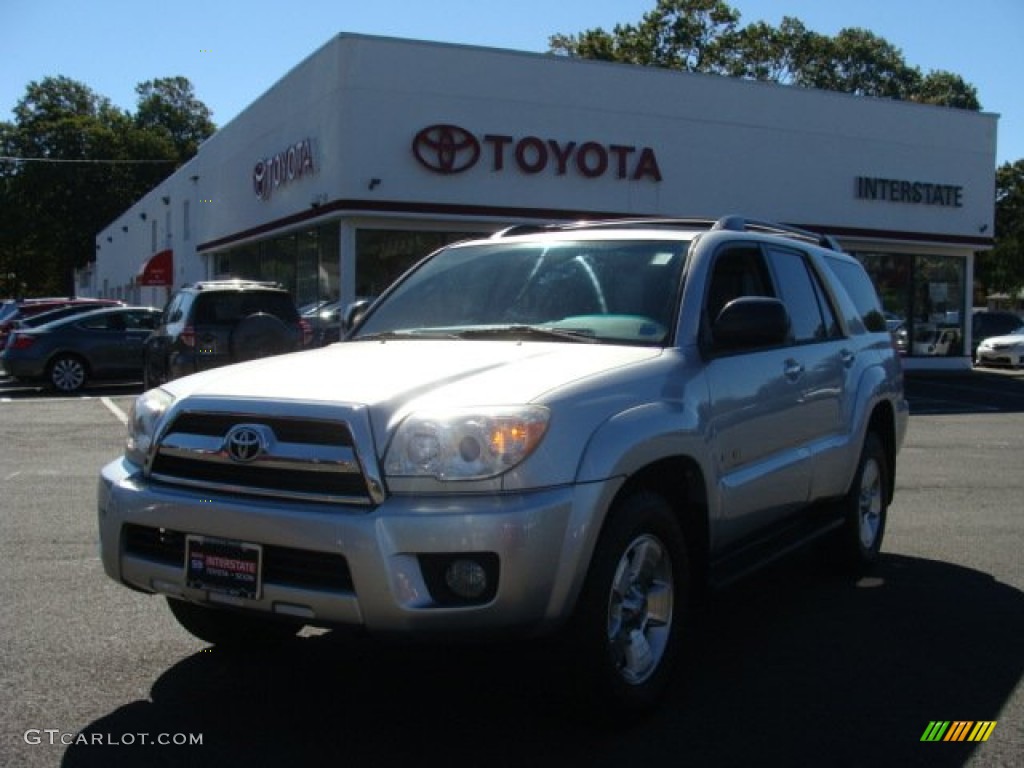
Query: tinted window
[737,272]
[111,322]
[172,312]
[231,307]
[140,320]
[796,285]
[861,291]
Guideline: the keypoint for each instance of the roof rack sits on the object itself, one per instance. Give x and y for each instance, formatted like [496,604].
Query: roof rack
[731,223]
[582,224]
[235,282]
[743,224]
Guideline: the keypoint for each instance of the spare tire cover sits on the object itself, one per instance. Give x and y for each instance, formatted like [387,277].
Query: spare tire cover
[260,335]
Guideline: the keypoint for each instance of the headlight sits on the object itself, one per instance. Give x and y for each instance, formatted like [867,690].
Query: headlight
[143,421]
[465,444]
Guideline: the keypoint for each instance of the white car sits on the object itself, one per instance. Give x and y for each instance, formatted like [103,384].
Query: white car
[1002,350]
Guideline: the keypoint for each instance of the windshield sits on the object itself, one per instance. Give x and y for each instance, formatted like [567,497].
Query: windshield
[613,291]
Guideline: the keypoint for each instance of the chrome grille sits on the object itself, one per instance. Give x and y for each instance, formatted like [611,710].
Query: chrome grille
[304,458]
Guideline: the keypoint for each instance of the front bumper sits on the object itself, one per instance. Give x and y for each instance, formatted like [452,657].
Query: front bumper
[369,563]
[1010,357]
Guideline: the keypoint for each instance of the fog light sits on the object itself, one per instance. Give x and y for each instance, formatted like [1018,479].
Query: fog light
[466,578]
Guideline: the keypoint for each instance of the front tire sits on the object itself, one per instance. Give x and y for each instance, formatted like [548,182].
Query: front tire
[630,617]
[67,374]
[228,628]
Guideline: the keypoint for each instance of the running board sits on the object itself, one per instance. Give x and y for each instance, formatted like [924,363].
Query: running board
[754,554]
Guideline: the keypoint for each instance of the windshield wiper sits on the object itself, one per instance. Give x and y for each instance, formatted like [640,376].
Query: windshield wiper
[535,331]
[414,334]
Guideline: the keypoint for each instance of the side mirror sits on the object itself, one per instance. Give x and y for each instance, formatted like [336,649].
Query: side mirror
[750,322]
[353,314]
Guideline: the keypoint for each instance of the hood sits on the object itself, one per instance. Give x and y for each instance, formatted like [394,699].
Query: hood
[1004,341]
[395,376]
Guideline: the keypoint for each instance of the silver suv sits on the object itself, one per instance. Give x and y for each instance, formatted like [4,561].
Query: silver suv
[553,430]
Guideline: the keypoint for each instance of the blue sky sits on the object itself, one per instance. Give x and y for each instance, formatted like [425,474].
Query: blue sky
[233,50]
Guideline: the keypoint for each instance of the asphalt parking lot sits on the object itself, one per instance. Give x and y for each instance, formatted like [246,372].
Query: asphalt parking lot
[791,667]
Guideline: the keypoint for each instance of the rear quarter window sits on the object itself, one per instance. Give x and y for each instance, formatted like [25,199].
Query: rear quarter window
[861,290]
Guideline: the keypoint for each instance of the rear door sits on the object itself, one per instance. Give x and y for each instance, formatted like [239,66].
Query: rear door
[821,363]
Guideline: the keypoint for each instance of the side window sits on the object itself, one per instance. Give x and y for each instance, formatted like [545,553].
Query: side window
[104,323]
[861,291]
[738,271]
[172,312]
[811,318]
[139,321]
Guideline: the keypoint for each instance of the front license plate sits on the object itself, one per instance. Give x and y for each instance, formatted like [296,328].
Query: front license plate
[227,567]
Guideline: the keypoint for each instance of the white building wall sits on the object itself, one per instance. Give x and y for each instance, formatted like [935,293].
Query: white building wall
[721,146]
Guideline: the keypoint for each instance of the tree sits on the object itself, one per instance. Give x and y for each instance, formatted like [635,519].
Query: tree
[1001,270]
[947,90]
[73,162]
[705,36]
[168,107]
[677,34]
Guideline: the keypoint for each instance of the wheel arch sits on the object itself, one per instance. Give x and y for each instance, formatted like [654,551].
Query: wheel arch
[883,424]
[680,481]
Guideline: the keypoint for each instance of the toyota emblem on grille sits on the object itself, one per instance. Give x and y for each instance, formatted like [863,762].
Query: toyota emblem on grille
[446,149]
[245,442]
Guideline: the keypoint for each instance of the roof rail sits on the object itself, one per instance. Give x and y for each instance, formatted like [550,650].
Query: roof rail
[520,229]
[584,224]
[729,223]
[743,224]
[235,282]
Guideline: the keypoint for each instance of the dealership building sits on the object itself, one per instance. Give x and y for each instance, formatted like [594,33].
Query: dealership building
[374,151]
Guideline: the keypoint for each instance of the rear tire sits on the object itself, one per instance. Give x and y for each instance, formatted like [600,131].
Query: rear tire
[627,630]
[228,628]
[865,508]
[67,374]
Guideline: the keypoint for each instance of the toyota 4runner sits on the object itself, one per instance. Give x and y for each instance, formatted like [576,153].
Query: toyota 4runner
[219,322]
[555,429]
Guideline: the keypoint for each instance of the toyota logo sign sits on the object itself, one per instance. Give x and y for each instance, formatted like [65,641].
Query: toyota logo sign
[446,149]
[245,442]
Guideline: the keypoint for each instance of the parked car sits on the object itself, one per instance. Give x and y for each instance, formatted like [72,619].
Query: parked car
[42,318]
[1002,350]
[66,354]
[986,323]
[219,322]
[556,430]
[325,322]
[32,307]
[898,328]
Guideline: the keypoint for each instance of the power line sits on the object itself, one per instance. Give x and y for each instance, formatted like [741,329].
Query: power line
[9,159]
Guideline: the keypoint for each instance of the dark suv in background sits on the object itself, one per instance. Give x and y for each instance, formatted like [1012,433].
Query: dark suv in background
[219,322]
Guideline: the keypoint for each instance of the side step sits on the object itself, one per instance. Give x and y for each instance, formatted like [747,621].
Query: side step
[779,542]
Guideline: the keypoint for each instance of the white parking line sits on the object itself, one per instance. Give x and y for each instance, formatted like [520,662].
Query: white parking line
[121,415]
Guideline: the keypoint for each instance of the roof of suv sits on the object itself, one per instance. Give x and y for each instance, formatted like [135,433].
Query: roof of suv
[233,285]
[725,223]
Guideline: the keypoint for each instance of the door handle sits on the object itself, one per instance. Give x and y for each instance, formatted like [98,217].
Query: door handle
[847,357]
[793,369]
